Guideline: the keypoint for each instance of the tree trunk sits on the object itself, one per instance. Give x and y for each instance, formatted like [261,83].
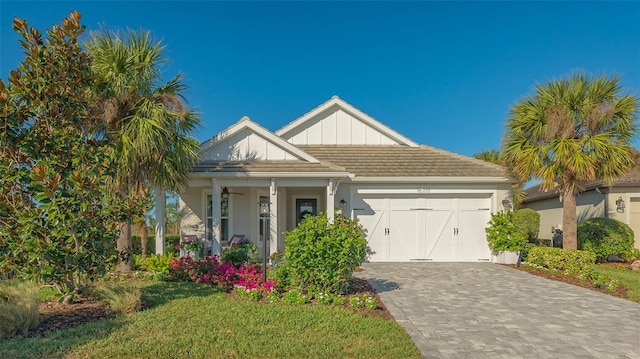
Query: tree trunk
[124,247]
[144,237]
[569,221]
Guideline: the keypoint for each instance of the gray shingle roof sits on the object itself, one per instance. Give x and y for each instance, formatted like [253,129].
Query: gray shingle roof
[402,161]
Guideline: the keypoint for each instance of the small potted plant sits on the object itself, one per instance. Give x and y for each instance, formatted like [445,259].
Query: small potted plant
[190,246]
[504,239]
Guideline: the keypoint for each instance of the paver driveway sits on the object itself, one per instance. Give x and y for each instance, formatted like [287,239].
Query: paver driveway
[484,310]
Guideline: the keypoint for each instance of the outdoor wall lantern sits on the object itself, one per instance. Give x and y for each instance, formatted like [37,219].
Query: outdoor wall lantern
[264,207]
[225,193]
[620,204]
[506,204]
[343,204]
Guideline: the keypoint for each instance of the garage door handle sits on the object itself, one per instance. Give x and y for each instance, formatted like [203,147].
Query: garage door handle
[455,231]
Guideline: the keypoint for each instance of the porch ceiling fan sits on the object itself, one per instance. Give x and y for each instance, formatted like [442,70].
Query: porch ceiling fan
[225,192]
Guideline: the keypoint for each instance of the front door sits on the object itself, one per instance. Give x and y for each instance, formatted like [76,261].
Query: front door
[305,207]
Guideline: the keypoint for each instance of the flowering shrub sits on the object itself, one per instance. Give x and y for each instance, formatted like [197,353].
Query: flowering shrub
[253,295]
[355,301]
[363,301]
[321,256]
[324,298]
[223,275]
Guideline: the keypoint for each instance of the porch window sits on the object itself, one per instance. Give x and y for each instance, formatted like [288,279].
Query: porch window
[224,218]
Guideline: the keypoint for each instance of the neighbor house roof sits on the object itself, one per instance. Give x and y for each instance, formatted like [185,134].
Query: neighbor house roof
[401,161]
[632,178]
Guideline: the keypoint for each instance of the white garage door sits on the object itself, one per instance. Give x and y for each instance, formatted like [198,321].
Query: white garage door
[401,229]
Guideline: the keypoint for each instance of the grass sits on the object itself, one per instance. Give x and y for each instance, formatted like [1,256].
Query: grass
[187,320]
[629,278]
[18,307]
[124,299]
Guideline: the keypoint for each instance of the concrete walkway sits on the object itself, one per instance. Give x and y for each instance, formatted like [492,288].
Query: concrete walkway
[484,310]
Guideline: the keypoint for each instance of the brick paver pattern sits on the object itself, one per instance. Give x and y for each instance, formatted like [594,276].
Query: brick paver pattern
[484,310]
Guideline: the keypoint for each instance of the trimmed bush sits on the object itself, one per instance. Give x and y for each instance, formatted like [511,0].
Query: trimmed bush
[18,307]
[502,233]
[605,237]
[527,222]
[571,262]
[321,256]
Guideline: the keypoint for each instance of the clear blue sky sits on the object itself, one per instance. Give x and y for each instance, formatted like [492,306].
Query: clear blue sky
[440,73]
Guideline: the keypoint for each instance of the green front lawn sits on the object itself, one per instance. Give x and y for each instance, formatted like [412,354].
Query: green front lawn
[187,320]
[627,277]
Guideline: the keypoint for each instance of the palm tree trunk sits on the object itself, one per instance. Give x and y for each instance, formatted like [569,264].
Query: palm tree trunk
[124,247]
[569,221]
[144,237]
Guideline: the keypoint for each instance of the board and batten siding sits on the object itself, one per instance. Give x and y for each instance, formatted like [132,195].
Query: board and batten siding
[246,145]
[337,127]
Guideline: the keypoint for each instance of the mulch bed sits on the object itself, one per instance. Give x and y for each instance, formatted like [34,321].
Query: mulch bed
[621,292]
[57,316]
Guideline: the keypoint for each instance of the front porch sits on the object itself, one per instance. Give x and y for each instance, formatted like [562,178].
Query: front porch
[217,209]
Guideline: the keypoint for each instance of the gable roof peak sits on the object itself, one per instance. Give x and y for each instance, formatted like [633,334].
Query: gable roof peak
[336,101]
[246,123]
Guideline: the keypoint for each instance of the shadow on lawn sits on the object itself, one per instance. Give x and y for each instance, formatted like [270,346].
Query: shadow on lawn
[162,292]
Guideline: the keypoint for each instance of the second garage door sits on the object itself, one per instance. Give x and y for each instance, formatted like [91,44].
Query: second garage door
[401,229]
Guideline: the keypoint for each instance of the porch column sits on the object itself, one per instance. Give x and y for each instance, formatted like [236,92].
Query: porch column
[216,247]
[161,202]
[331,203]
[273,220]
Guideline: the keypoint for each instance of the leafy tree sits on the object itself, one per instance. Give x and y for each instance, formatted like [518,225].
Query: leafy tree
[56,223]
[569,131]
[147,120]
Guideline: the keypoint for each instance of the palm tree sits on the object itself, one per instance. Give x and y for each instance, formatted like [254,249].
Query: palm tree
[493,156]
[148,121]
[570,131]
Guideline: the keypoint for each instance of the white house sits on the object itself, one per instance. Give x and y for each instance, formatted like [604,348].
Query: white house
[416,203]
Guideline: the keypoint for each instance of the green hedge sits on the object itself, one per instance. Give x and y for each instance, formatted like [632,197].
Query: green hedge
[571,262]
[605,237]
[527,222]
[170,242]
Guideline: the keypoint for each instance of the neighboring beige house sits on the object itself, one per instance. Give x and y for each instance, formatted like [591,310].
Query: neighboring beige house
[619,200]
[415,202]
